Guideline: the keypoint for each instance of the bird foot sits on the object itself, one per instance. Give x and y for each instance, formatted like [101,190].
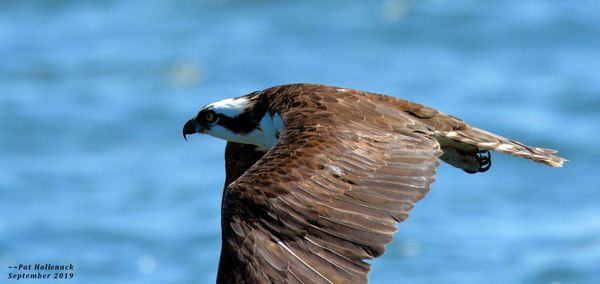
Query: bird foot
[484,157]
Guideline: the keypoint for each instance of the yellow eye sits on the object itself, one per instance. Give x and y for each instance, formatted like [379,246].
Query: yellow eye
[210,116]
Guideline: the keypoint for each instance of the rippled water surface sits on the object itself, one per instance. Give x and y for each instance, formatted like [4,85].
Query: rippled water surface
[93,95]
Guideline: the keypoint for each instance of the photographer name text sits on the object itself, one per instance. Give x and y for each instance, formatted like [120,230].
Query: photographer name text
[41,271]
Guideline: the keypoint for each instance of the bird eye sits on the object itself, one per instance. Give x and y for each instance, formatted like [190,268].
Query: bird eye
[210,116]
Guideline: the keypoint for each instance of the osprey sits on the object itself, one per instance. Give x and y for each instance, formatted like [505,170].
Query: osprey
[317,177]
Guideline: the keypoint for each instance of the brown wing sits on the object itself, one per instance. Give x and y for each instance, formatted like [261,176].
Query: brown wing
[328,195]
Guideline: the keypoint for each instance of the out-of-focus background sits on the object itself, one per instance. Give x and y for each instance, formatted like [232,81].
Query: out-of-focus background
[94,94]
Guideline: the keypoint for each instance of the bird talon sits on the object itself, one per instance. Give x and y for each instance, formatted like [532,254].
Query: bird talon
[485,162]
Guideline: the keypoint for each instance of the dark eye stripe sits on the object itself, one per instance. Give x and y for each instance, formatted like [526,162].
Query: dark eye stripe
[243,123]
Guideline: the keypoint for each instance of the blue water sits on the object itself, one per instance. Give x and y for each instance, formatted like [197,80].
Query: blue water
[93,96]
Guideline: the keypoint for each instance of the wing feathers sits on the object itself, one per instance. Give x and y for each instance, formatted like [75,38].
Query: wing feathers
[328,195]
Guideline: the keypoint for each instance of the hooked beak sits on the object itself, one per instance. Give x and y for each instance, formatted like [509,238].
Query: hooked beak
[190,127]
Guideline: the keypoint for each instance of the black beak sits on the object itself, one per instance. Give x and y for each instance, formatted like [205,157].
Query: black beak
[189,127]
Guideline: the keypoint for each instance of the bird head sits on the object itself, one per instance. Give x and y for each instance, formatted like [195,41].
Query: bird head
[242,120]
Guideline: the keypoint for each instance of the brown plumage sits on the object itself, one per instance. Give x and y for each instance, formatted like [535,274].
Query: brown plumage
[349,166]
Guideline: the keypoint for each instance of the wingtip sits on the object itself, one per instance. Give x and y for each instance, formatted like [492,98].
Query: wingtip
[556,162]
